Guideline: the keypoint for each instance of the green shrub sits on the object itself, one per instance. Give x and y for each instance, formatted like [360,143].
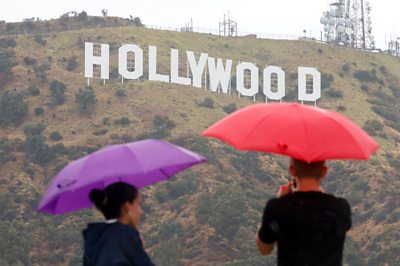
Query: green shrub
[100,132]
[373,127]
[33,129]
[334,93]
[58,149]
[326,80]
[162,127]
[39,40]
[228,211]
[85,98]
[7,62]
[230,108]
[346,67]
[163,122]
[39,111]
[57,89]
[123,121]
[341,108]
[13,108]
[55,135]
[29,60]
[120,92]
[208,103]
[364,87]
[8,43]
[37,150]
[33,90]
[366,76]
[386,112]
[41,71]
[72,63]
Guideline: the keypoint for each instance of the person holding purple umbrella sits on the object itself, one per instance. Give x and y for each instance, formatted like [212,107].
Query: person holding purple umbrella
[116,241]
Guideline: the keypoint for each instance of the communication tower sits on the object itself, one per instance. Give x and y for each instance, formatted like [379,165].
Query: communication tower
[188,27]
[394,47]
[228,27]
[348,22]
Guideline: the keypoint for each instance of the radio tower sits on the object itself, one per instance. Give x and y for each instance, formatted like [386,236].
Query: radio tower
[228,27]
[348,22]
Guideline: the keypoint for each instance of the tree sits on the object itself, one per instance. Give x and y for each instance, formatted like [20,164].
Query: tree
[37,150]
[138,22]
[82,16]
[208,103]
[104,12]
[58,91]
[228,211]
[85,98]
[72,63]
[33,129]
[7,62]
[13,108]
[35,147]
[41,70]
[168,252]
[230,108]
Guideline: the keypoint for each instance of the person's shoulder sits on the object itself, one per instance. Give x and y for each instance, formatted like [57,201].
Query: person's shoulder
[126,228]
[339,200]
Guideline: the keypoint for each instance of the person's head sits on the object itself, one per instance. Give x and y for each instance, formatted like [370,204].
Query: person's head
[120,201]
[302,169]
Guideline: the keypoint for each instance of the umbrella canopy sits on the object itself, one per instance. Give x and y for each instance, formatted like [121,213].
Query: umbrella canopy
[303,132]
[138,163]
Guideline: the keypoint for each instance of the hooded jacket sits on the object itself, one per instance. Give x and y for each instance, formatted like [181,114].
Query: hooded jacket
[113,244]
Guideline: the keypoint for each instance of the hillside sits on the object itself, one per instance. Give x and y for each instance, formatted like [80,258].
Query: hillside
[207,215]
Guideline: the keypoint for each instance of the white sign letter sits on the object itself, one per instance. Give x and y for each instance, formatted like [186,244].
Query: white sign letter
[175,69]
[123,61]
[219,74]
[280,93]
[153,66]
[240,79]
[197,69]
[309,94]
[103,60]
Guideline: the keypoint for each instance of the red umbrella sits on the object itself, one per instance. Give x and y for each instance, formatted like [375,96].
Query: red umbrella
[303,132]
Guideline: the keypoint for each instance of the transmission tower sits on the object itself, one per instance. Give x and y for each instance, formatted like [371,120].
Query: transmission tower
[228,27]
[188,27]
[348,22]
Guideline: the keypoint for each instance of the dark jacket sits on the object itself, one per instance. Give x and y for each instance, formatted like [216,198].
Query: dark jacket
[113,244]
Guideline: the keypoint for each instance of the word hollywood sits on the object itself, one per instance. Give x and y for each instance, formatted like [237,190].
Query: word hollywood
[219,75]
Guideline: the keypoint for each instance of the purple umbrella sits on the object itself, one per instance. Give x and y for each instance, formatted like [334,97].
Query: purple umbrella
[140,163]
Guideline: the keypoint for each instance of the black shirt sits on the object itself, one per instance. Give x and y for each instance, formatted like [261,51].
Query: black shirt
[310,228]
[113,244]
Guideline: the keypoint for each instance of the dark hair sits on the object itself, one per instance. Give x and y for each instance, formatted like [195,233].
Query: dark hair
[110,200]
[304,169]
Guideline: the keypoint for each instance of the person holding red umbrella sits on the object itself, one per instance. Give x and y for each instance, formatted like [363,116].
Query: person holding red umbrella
[308,225]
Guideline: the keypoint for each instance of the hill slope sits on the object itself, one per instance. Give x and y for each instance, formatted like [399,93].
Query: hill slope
[208,215]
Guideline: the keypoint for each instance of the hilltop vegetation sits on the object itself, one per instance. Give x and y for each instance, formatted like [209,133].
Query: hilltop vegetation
[207,215]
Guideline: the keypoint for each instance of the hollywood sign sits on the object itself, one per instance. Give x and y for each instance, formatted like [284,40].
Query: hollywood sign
[219,74]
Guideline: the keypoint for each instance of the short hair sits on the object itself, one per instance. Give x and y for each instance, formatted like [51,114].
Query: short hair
[110,200]
[304,169]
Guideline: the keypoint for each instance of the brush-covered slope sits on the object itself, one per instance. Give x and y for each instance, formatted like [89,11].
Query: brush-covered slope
[209,214]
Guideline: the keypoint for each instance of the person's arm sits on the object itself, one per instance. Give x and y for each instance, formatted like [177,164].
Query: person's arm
[267,234]
[263,248]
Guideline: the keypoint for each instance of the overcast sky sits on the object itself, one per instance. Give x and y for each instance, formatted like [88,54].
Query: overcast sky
[289,17]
